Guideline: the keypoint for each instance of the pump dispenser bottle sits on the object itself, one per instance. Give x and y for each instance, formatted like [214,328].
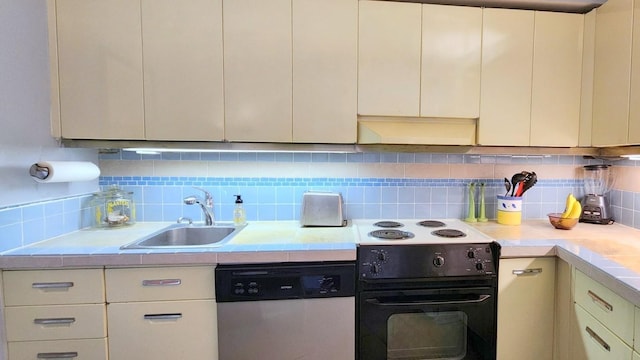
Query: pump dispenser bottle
[239,215]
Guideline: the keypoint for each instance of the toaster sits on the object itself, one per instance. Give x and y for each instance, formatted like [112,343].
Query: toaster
[322,209]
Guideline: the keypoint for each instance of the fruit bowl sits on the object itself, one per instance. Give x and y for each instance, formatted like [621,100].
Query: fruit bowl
[562,223]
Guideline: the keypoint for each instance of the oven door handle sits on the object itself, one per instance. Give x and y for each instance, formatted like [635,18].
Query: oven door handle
[376,301]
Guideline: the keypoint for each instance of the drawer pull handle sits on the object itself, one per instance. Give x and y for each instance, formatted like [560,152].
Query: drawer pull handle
[58,355]
[53,285]
[597,299]
[526,272]
[598,339]
[173,316]
[162,282]
[54,321]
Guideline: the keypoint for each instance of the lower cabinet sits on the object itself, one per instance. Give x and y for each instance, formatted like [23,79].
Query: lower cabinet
[162,313]
[604,322]
[592,340]
[526,301]
[163,330]
[55,314]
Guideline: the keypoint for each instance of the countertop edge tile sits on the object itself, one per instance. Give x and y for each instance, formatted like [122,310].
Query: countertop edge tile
[200,258]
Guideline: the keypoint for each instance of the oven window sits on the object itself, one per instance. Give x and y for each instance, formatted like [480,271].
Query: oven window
[427,335]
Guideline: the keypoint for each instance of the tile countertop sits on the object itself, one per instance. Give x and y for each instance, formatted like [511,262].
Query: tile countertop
[608,253]
[267,241]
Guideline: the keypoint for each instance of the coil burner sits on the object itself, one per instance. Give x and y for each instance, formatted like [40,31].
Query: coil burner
[431,223]
[391,234]
[389,224]
[449,233]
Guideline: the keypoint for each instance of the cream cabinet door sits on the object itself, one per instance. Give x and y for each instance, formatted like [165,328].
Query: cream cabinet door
[557,76]
[612,310]
[634,110]
[325,61]
[594,341]
[614,22]
[507,62]
[526,299]
[163,330]
[636,356]
[451,61]
[100,69]
[258,70]
[389,38]
[183,88]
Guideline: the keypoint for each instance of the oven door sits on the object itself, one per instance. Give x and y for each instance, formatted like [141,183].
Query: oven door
[452,323]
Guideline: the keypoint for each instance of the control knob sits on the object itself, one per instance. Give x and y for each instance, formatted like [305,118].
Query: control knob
[375,268]
[479,266]
[382,256]
[471,254]
[438,261]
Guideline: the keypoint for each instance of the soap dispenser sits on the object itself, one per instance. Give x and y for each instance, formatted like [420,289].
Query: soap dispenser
[239,215]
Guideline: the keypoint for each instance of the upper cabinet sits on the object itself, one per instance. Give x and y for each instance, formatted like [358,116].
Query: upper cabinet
[611,88]
[507,62]
[419,60]
[389,58]
[634,102]
[325,71]
[183,89]
[451,53]
[153,70]
[290,70]
[140,69]
[100,69]
[257,72]
[531,78]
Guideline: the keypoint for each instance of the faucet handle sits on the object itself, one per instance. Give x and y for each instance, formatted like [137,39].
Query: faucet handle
[207,196]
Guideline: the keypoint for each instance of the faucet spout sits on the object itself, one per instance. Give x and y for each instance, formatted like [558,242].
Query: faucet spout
[206,206]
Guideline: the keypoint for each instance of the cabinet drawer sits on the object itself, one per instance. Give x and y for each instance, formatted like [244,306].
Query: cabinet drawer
[91,349]
[51,287]
[28,323]
[168,330]
[170,283]
[609,308]
[594,341]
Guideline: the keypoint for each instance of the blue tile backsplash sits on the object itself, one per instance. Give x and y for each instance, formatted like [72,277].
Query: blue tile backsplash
[26,224]
[160,197]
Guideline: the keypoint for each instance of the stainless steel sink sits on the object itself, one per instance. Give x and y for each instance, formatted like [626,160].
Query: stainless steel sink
[187,236]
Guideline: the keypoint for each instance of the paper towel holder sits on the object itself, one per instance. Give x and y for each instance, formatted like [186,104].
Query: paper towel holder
[63,171]
[38,172]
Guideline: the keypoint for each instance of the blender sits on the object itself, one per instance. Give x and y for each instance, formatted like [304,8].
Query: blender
[595,205]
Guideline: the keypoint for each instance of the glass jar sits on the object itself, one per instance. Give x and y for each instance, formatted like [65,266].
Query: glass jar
[113,207]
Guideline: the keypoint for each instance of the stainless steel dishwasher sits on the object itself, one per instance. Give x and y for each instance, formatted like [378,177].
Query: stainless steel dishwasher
[286,311]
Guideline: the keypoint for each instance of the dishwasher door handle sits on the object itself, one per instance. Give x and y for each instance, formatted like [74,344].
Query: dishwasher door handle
[378,302]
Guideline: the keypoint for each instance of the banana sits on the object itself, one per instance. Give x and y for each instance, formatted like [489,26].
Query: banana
[571,200]
[576,210]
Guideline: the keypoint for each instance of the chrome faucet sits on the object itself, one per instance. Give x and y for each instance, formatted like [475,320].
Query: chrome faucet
[206,205]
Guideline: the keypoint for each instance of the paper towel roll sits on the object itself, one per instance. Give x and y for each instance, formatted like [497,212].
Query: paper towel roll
[63,171]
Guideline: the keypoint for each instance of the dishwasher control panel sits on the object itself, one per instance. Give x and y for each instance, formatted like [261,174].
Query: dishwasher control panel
[284,281]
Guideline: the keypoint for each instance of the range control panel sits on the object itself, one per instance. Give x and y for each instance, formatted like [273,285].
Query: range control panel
[423,261]
[284,281]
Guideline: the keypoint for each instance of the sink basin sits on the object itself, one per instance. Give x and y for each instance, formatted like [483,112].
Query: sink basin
[187,236]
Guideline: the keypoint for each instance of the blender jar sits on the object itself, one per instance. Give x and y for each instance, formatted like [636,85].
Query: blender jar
[597,179]
[113,207]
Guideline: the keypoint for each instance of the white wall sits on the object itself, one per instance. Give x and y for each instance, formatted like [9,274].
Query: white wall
[25,135]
